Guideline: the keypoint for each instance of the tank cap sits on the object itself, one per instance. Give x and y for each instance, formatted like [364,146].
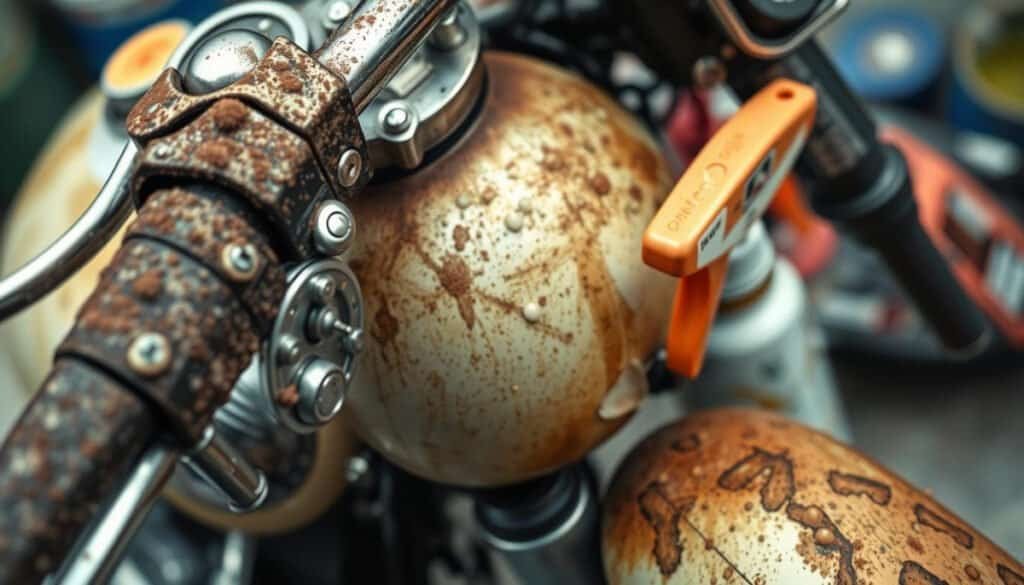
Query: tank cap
[137,63]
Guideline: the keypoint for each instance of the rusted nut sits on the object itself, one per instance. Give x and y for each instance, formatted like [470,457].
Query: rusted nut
[350,166]
[241,262]
[149,354]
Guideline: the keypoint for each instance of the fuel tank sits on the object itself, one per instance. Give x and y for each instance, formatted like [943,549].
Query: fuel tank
[745,496]
[509,314]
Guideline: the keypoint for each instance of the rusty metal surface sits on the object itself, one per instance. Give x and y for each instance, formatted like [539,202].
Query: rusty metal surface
[153,286]
[234,146]
[80,435]
[206,228]
[287,85]
[505,304]
[745,496]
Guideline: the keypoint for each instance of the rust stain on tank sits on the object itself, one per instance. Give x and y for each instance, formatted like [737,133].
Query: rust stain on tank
[663,515]
[846,484]
[934,521]
[1009,576]
[777,487]
[827,537]
[914,574]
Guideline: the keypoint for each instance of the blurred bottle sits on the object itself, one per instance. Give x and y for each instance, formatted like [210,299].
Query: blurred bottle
[766,348]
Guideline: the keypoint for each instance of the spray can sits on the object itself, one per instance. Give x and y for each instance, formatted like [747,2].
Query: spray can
[766,347]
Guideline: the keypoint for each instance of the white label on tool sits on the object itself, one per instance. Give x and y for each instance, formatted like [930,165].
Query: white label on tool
[712,241]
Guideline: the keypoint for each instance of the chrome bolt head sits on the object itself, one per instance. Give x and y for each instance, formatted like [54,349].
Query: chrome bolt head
[222,59]
[288,350]
[322,390]
[149,354]
[396,118]
[350,166]
[335,13]
[334,228]
[323,287]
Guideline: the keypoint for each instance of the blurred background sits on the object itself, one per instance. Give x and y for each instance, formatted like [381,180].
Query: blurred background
[950,73]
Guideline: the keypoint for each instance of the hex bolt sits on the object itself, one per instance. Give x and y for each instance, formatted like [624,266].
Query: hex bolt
[149,354]
[350,166]
[288,350]
[322,389]
[323,287]
[240,261]
[334,228]
[449,34]
[396,118]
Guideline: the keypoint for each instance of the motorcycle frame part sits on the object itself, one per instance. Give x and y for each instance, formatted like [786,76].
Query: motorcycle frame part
[160,356]
[763,48]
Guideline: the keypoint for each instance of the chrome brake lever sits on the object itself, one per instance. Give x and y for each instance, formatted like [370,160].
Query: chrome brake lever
[83,240]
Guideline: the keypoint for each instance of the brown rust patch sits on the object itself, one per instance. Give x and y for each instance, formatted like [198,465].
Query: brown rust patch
[827,537]
[777,488]
[914,574]
[457,281]
[972,572]
[287,396]
[687,444]
[663,516]
[600,184]
[936,522]
[846,484]
[229,114]
[149,284]
[386,326]
[461,235]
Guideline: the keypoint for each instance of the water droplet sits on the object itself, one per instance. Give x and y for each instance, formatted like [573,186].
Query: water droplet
[531,312]
[824,537]
[463,201]
[514,222]
[525,206]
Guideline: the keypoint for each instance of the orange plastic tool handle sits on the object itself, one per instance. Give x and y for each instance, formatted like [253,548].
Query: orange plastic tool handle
[726,189]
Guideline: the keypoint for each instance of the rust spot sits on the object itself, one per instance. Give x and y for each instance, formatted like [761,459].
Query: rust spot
[600,184]
[777,489]
[149,284]
[972,573]
[814,519]
[461,235]
[1009,576]
[663,516]
[687,444]
[936,522]
[217,153]
[385,325]
[229,114]
[854,485]
[915,545]
[289,82]
[914,574]
[457,281]
[287,396]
